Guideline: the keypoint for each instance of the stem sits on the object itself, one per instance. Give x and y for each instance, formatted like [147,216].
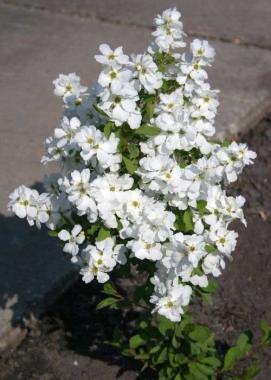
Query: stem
[132,303]
[143,307]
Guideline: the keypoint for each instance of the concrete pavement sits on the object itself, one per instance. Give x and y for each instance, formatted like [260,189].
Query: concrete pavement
[42,39]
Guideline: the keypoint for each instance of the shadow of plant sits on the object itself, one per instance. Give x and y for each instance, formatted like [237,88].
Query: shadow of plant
[30,260]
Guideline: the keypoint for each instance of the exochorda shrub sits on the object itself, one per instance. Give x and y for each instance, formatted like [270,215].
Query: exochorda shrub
[143,182]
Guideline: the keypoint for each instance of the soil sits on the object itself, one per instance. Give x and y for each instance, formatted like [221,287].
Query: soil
[67,342]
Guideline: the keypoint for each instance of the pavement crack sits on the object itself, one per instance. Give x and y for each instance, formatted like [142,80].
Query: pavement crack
[87,15]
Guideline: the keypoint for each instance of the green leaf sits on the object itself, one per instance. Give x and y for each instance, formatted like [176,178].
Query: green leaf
[122,145]
[162,69]
[147,130]
[129,165]
[109,288]
[107,302]
[266,331]
[136,341]
[201,205]
[133,150]
[120,226]
[164,85]
[176,341]
[117,339]
[212,287]
[170,60]
[252,371]
[144,366]
[165,325]
[231,358]
[188,221]
[244,342]
[108,128]
[198,375]
[171,358]
[159,56]
[149,110]
[213,361]
[206,297]
[161,356]
[99,110]
[104,233]
[53,233]
[205,369]
[92,230]
[142,356]
[209,248]
[181,358]
[226,143]
[155,349]
[199,334]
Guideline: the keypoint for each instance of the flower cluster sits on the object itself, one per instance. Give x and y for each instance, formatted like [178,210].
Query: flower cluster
[141,177]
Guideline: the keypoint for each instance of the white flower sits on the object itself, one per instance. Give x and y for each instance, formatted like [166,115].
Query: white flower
[234,158]
[147,72]
[88,138]
[179,171]
[190,247]
[171,305]
[24,203]
[122,107]
[224,239]
[67,131]
[68,86]
[91,270]
[212,264]
[146,247]
[75,238]
[170,102]
[102,258]
[113,58]
[203,52]
[169,32]
[115,78]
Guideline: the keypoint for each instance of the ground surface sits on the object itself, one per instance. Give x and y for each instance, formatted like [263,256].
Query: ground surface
[67,343]
[40,39]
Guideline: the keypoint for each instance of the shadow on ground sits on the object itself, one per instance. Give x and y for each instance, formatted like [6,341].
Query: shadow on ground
[30,261]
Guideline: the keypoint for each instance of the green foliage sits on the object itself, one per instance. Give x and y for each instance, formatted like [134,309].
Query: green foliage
[147,130]
[109,288]
[104,233]
[53,233]
[231,357]
[149,110]
[266,332]
[99,110]
[108,128]
[107,302]
[129,165]
[188,221]
[181,350]
[133,150]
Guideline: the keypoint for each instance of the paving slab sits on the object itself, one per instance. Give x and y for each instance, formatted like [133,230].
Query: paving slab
[37,45]
[243,21]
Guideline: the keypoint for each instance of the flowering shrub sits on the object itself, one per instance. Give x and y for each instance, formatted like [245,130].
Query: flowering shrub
[142,182]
